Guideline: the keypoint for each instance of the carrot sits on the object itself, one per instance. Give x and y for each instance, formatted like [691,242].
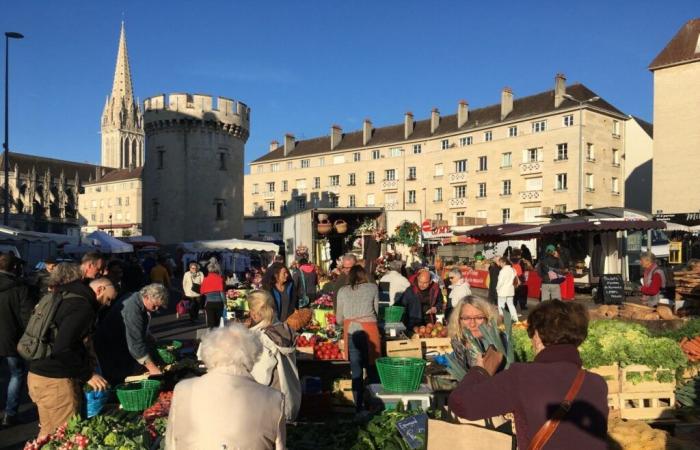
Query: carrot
[693,346]
[683,341]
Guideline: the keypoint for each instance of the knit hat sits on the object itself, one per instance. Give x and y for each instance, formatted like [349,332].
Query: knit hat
[550,249]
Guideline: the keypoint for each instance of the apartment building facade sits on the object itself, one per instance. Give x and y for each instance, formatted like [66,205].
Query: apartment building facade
[558,150]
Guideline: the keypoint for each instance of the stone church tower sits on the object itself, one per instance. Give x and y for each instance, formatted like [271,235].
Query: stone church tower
[122,119]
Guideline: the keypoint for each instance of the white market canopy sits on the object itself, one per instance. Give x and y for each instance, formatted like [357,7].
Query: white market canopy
[109,244]
[32,236]
[229,244]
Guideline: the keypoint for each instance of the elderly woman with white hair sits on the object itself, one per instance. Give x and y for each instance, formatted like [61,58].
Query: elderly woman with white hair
[212,289]
[459,287]
[226,408]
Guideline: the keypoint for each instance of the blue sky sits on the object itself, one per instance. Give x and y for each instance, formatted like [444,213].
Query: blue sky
[305,65]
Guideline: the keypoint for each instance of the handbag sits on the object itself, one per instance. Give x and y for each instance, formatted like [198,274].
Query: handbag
[547,430]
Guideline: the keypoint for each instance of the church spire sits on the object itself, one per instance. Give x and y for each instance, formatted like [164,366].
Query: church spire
[121,89]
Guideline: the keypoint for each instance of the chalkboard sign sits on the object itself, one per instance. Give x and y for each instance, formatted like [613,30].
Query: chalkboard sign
[611,289]
[413,430]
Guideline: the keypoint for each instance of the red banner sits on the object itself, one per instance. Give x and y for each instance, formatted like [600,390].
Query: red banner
[478,278]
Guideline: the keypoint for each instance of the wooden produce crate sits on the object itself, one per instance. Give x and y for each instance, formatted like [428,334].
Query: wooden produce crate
[647,405]
[341,400]
[611,374]
[436,345]
[643,386]
[407,348]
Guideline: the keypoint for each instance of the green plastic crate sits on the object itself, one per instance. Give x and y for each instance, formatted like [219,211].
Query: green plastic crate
[393,314]
[400,374]
[138,395]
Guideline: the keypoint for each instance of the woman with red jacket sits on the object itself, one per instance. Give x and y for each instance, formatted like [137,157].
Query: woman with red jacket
[553,392]
[212,289]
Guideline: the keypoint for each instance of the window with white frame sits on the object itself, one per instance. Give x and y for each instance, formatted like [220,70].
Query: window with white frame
[305,163]
[285,186]
[370,177]
[488,136]
[314,197]
[445,144]
[255,191]
[411,197]
[569,120]
[506,159]
[437,195]
[274,167]
[357,156]
[560,209]
[561,182]
[615,186]
[616,128]
[417,149]
[351,201]
[390,175]
[271,186]
[539,126]
[459,217]
[562,152]
[461,166]
[261,169]
[290,165]
[438,217]
[334,200]
[460,191]
[301,203]
[334,180]
[376,154]
[277,226]
[531,213]
[533,184]
[463,141]
[301,183]
[317,182]
[482,214]
[439,170]
[505,215]
[615,157]
[483,163]
[590,182]
[351,179]
[271,207]
[370,199]
[532,155]
[339,159]
[512,131]
[390,199]
[412,173]
[506,187]
[482,190]
[321,161]
[396,151]
[590,152]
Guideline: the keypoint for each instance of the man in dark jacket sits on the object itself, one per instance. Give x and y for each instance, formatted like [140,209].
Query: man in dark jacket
[15,309]
[422,300]
[551,269]
[55,383]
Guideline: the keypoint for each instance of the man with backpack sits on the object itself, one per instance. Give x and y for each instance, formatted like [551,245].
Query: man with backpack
[15,309]
[56,343]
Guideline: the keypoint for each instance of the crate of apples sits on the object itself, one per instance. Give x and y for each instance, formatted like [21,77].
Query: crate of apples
[328,351]
[430,330]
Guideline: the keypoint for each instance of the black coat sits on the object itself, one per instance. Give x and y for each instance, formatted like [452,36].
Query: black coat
[415,310]
[15,309]
[494,270]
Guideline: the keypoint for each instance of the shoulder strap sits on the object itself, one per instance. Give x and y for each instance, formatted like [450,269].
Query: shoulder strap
[547,430]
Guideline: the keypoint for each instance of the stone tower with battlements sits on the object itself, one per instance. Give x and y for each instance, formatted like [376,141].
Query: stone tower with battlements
[193,171]
[122,119]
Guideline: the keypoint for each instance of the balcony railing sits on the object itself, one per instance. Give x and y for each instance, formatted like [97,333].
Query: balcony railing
[530,168]
[390,185]
[457,203]
[457,177]
[531,196]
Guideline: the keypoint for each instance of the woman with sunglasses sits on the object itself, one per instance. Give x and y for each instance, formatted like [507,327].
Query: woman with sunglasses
[468,315]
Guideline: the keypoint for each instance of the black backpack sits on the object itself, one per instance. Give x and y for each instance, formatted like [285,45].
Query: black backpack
[38,338]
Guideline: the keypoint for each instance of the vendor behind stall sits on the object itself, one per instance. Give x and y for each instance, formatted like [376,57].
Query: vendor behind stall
[653,280]
[423,300]
[551,269]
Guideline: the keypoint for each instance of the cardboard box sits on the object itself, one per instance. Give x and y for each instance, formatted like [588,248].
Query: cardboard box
[404,349]
[443,435]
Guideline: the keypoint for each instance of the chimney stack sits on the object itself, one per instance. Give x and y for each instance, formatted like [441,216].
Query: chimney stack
[336,136]
[366,131]
[462,113]
[434,120]
[273,146]
[559,89]
[506,102]
[289,143]
[407,124]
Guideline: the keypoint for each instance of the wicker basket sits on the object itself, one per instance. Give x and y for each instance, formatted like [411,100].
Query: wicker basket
[393,314]
[341,226]
[400,374]
[138,395]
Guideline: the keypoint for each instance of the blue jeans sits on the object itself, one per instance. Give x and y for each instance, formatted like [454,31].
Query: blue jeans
[18,377]
[358,354]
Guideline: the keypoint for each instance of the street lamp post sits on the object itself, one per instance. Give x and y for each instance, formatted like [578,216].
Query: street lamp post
[580,142]
[6,145]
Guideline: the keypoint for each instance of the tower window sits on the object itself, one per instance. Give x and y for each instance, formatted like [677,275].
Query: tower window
[161,158]
[222,161]
[154,210]
[219,203]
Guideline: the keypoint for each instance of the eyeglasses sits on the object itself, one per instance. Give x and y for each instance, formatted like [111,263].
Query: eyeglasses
[472,319]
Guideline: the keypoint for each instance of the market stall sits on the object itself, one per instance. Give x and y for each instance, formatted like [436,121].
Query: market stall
[234,255]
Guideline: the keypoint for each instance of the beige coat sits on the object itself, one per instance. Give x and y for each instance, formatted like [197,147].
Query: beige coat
[188,279]
[225,409]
